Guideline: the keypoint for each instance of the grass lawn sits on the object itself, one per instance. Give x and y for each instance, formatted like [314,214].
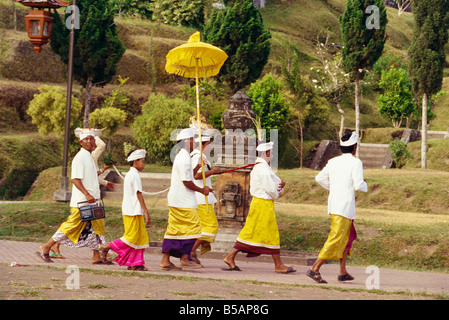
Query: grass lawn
[402,221]
[386,238]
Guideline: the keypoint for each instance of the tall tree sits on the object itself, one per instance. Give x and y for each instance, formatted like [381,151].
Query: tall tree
[311,107]
[427,56]
[97,50]
[396,101]
[403,5]
[269,103]
[331,81]
[239,31]
[363,26]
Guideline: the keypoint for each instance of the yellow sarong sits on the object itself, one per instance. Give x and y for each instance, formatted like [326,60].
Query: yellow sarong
[183,224]
[209,226]
[136,235]
[73,226]
[261,229]
[338,238]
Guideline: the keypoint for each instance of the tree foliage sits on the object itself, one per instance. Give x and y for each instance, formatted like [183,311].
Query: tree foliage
[396,101]
[212,101]
[330,79]
[399,153]
[108,118]
[427,54]
[239,31]
[160,116]
[111,115]
[363,41]
[269,103]
[139,8]
[188,13]
[97,50]
[48,109]
[403,5]
[311,108]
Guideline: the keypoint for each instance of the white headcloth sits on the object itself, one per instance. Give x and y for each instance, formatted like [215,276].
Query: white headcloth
[265,146]
[205,136]
[138,154]
[351,141]
[185,134]
[84,133]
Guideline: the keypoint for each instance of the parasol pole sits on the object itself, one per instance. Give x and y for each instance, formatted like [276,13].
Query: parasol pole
[199,130]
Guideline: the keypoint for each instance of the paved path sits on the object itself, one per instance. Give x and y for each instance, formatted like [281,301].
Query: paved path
[24,253]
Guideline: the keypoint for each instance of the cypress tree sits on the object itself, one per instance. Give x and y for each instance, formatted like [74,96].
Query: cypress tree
[427,56]
[97,50]
[239,31]
[363,26]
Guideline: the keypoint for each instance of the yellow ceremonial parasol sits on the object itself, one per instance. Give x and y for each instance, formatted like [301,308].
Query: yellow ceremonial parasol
[196,59]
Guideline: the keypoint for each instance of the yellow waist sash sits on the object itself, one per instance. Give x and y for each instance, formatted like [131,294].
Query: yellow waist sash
[183,224]
[73,226]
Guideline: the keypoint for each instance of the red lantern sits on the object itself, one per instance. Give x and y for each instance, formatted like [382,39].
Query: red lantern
[39,22]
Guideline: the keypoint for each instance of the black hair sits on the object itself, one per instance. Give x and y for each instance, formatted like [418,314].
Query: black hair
[349,149]
[131,163]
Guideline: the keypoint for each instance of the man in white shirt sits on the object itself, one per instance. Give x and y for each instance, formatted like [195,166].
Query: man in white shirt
[260,235]
[342,176]
[184,225]
[74,232]
[209,222]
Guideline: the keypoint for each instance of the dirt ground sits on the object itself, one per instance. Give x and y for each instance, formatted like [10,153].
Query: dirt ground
[44,283]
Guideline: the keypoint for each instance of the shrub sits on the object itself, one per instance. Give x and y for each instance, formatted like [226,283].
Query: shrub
[21,160]
[14,101]
[269,103]
[108,118]
[399,153]
[48,109]
[24,64]
[160,116]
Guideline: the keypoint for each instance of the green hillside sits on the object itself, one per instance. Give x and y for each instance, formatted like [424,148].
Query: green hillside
[295,23]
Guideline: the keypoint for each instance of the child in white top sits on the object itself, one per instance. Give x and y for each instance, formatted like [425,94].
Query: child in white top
[131,246]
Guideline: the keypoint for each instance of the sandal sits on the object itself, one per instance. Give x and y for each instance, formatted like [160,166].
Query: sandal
[56,256]
[138,268]
[231,269]
[289,270]
[315,276]
[170,267]
[44,256]
[194,258]
[346,277]
[234,268]
[190,265]
[103,252]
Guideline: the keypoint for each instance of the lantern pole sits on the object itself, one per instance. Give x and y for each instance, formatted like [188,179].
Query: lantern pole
[64,194]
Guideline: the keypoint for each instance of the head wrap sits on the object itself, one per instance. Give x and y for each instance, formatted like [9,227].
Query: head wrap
[138,154]
[351,141]
[205,136]
[185,134]
[84,133]
[265,146]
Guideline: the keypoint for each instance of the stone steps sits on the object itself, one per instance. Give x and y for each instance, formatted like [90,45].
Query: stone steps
[375,156]
[151,182]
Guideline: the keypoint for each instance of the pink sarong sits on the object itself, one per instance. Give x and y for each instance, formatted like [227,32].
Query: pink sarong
[127,256]
[352,237]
